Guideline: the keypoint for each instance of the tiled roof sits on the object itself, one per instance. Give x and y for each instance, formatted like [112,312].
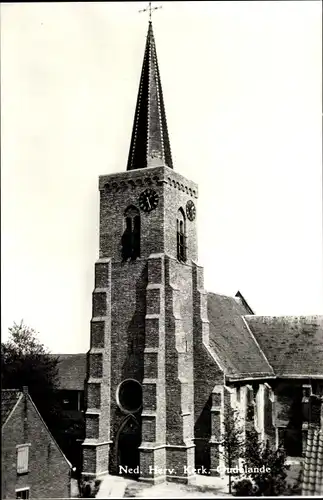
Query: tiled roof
[71,371]
[9,398]
[247,345]
[231,339]
[150,142]
[312,480]
[293,345]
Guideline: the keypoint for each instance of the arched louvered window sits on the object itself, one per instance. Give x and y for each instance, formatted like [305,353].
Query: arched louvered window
[181,236]
[131,235]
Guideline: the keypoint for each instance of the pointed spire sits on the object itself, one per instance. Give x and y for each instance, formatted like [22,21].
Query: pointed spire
[149,142]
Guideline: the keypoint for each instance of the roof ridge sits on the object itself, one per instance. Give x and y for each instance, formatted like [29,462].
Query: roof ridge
[283,316]
[67,353]
[222,295]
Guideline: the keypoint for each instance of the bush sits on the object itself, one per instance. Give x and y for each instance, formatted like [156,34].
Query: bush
[89,488]
[261,456]
[296,488]
[258,455]
[244,488]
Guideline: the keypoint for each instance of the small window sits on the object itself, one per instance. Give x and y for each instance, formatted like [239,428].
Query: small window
[307,392]
[181,236]
[22,458]
[131,235]
[23,493]
[70,400]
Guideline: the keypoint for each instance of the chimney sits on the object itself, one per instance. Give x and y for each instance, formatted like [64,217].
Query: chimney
[25,393]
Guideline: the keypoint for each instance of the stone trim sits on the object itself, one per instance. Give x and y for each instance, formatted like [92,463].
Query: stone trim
[144,447]
[123,185]
[93,474]
[95,442]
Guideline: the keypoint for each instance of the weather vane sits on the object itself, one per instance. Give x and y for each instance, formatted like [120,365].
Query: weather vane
[150,9]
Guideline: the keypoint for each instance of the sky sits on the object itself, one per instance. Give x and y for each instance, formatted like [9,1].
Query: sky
[242,89]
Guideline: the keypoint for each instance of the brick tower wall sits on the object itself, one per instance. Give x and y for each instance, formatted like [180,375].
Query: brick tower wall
[145,326]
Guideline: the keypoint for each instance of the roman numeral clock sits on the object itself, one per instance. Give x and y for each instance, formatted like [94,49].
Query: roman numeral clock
[148,200]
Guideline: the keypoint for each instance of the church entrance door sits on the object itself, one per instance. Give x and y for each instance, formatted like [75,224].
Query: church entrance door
[128,442]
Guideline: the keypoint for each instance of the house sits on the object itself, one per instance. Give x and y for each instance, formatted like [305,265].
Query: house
[33,465]
[71,379]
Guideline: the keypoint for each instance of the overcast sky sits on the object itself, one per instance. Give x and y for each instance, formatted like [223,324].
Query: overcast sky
[242,88]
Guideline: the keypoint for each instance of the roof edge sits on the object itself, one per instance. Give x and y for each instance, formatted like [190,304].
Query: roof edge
[245,303]
[256,342]
[13,409]
[287,316]
[249,378]
[300,376]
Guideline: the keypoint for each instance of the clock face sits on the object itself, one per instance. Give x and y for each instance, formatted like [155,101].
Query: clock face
[148,200]
[190,210]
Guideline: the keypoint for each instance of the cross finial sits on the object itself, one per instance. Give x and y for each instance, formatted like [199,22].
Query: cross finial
[150,9]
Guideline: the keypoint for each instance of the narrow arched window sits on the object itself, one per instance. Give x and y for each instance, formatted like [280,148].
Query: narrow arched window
[181,236]
[131,235]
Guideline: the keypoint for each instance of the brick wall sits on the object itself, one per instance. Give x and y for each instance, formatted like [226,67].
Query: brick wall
[179,353]
[49,472]
[158,228]
[207,371]
[97,415]
[128,304]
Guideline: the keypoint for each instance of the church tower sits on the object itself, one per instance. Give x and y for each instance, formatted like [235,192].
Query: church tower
[140,381]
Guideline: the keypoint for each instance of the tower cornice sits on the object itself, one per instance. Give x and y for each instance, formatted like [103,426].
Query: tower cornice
[123,181]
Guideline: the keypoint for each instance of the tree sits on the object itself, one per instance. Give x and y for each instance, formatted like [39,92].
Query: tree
[26,362]
[265,467]
[233,441]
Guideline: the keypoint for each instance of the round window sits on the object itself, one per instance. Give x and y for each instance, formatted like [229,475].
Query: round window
[129,396]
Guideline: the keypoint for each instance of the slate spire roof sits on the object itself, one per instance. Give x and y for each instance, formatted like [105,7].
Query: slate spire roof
[149,142]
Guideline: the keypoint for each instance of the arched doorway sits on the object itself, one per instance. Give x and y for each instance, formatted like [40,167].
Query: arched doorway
[127,447]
